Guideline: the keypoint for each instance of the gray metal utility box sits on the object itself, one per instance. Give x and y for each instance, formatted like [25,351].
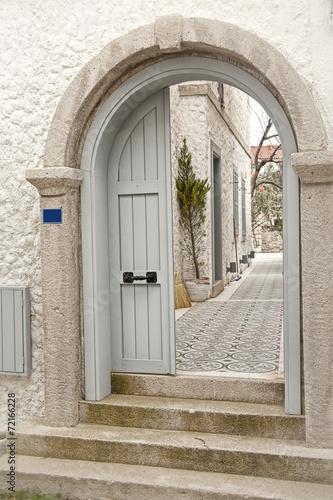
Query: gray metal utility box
[15,341]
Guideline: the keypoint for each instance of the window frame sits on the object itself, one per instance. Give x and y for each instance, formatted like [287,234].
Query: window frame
[235,201]
[243,207]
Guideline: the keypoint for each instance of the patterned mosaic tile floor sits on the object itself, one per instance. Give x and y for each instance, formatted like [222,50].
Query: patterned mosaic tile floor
[240,334]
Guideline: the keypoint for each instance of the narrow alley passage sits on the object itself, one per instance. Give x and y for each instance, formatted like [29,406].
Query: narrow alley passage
[239,333]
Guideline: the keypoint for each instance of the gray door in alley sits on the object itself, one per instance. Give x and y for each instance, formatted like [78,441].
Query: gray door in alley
[142,316]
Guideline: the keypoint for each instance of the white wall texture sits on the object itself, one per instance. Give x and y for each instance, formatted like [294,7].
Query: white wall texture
[44,43]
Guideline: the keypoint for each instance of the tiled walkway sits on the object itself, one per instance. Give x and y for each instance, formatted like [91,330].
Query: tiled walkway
[239,332]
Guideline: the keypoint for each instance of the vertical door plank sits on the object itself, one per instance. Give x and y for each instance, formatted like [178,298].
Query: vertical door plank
[138,153]
[125,163]
[126,243]
[140,232]
[142,325]
[155,322]
[128,307]
[153,232]
[150,138]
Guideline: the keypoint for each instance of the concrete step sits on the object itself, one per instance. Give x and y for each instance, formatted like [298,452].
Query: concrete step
[197,451]
[200,387]
[226,417]
[83,480]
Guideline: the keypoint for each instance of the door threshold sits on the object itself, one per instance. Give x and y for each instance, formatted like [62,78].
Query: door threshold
[263,376]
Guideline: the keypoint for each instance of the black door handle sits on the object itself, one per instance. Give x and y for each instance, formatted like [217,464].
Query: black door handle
[151,277]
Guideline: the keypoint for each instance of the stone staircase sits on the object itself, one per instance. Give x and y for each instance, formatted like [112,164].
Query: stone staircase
[154,439]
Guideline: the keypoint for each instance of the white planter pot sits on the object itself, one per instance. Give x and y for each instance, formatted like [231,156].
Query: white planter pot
[198,291]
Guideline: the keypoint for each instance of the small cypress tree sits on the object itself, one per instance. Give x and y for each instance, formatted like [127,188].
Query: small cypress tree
[192,197]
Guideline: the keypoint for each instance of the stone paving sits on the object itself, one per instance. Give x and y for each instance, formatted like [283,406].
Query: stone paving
[239,332]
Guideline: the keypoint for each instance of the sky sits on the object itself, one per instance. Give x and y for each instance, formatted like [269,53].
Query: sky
[259,119]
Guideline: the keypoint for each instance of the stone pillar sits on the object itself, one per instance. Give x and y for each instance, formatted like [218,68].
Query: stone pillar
[59,188]
[315,170]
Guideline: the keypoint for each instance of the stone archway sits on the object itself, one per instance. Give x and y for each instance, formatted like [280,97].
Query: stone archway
[167,38]
[111,115]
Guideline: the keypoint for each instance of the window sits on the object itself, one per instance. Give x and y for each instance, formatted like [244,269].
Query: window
[220,91]
[236,215]
[243,209]
[217,217]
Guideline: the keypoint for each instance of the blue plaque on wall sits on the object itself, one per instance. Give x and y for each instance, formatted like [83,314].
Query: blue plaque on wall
[52,216]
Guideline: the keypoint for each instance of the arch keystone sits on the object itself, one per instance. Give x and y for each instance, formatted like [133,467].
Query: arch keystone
[168,32]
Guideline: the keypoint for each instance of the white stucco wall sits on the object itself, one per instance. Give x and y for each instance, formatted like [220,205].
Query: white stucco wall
[235,101]
[43,46]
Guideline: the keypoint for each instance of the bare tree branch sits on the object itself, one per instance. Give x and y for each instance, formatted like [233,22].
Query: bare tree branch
[274,151]
[267,208]
[272,136]
[266,181]
[260,163]
[261,142]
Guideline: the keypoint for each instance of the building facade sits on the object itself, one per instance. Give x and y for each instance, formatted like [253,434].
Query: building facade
[71,75]
[216,123]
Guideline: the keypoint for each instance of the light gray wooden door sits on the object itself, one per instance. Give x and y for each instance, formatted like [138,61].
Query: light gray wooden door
[140,241]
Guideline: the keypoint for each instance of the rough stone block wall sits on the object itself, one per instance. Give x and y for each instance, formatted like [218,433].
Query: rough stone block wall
[271,241]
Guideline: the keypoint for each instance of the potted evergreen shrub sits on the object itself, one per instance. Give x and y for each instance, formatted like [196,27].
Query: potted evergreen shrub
[192,198]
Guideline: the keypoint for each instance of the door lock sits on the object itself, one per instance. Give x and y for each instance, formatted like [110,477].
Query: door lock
[151,277]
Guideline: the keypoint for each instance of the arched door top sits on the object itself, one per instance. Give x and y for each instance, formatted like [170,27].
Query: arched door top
[170,37]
